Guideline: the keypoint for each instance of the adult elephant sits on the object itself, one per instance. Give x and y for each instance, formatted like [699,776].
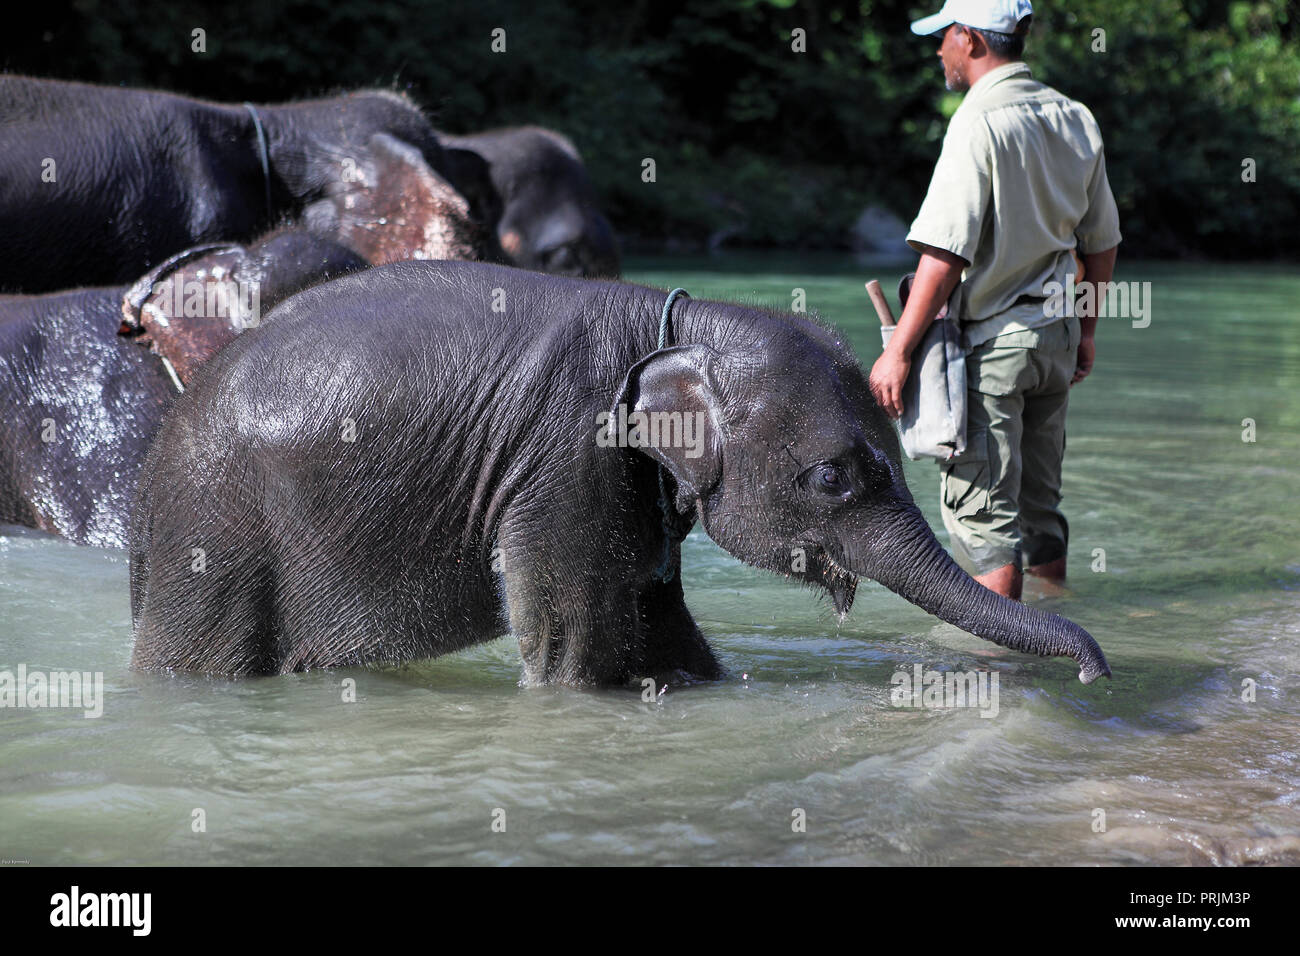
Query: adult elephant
[541,203]
[99,184]
[82,401]
[301,511]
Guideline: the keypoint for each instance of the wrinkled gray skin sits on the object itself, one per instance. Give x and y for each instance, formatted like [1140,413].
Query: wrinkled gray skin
[67,374]
[541,201]
[139,175]
[475,429]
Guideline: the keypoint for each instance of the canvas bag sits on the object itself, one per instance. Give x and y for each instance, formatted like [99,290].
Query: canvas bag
[933,423]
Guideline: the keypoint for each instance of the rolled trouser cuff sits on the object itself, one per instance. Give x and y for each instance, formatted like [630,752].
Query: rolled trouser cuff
[1042,549]
[974,553]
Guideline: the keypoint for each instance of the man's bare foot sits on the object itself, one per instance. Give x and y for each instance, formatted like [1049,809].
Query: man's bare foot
[1006,580]
[1052,569]
[1049,578]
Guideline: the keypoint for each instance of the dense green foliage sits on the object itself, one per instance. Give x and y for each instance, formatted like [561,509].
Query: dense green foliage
[754,142]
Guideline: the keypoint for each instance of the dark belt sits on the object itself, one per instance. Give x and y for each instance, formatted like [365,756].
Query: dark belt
[1028,300]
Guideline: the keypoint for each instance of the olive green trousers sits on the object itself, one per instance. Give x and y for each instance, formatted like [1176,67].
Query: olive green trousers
[1001,498]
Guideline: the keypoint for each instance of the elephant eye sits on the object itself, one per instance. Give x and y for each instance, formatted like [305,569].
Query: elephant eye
[831,479]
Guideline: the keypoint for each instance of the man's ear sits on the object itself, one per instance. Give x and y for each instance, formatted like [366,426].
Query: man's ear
[680,421]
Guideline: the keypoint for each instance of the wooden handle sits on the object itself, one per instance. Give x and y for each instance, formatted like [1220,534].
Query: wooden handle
[877,296]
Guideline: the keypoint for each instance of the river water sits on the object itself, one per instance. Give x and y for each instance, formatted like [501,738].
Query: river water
[1191,754]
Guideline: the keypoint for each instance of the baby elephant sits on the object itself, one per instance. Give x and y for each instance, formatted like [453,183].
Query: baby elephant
[416,458]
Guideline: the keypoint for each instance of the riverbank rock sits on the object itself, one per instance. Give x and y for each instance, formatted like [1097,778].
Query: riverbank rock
[879,231]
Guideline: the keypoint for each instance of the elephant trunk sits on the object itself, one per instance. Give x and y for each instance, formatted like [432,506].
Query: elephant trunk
[906,557]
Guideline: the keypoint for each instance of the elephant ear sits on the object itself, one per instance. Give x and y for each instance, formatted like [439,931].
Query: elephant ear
[390,206]
[187,308]
[673,411]
[471,174]
[143,289]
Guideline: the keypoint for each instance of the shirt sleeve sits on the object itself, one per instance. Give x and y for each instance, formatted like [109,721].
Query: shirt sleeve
[952,214]
[1098,230]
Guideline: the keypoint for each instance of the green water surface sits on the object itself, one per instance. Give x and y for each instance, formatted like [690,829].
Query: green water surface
[1189,755]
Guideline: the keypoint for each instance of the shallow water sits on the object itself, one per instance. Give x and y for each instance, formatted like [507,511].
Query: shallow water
[1201,591]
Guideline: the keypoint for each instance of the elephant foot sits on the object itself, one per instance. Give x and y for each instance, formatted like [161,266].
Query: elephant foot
[686,660]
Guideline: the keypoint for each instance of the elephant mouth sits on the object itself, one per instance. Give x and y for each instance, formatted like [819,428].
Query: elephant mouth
[841,583]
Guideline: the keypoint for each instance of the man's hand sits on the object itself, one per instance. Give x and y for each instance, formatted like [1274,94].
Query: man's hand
[1098,267]
[937,274]
[887,378]
[1087,355]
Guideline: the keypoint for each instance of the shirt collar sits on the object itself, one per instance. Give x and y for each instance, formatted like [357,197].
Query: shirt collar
[996,76]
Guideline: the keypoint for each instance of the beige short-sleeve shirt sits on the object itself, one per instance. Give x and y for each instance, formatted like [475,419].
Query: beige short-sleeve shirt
[1020,183]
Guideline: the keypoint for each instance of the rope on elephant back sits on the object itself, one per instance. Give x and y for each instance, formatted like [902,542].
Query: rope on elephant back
[665,571]
[262,154]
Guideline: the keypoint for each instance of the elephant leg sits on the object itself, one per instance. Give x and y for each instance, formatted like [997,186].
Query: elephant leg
[566,640]
[218,620]
[675,648]
[581,631]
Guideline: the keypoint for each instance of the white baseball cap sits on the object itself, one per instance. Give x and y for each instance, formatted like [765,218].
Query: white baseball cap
[998,16]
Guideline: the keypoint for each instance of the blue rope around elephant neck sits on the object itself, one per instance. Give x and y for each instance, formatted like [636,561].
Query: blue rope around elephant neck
[665,570]
[262,154]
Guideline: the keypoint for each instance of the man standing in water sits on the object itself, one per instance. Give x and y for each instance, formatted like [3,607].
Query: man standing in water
[1019,185]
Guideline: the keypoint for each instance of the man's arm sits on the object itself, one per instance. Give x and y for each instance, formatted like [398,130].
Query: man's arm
[1098,267]
[937,274]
